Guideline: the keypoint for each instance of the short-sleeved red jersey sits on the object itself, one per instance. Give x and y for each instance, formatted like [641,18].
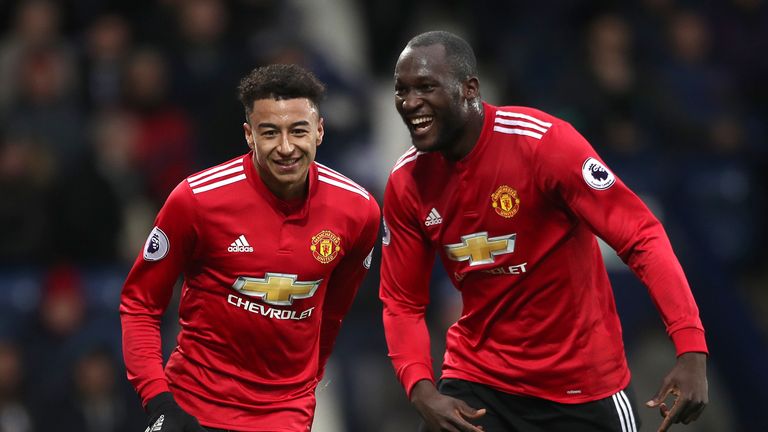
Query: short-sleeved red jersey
[266,284]
[514,223]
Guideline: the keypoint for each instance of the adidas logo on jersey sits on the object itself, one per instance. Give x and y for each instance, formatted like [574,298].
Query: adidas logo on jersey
[433,218]
[240,245]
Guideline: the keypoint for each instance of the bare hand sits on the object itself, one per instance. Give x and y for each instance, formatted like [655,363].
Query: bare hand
[443,413]
[687,382]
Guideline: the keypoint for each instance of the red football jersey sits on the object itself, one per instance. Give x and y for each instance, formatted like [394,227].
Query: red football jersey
[514,223]
[266,284]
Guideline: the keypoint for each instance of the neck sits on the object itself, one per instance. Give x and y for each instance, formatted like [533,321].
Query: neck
[290,193]
[467,140]
[283,191]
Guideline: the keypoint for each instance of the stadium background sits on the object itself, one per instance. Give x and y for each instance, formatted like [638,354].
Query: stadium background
[105,106]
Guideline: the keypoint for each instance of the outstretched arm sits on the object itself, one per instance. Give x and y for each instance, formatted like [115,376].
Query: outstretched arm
[565,163]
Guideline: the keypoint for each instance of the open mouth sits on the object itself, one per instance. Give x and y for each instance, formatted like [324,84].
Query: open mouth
[422,124]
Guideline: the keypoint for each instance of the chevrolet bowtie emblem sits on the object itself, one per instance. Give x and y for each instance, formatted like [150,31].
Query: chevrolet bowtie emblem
[478,249]
[276,288]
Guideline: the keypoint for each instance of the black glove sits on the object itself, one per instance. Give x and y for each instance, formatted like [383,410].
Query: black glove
[165,415]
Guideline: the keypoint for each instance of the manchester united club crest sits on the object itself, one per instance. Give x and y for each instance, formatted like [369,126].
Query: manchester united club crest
[325,246]
[505,201]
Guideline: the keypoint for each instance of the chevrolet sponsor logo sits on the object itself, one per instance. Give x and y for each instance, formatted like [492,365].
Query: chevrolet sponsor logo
[478,248]
[276,288]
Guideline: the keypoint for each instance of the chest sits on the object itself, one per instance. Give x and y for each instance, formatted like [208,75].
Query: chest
[256,240]
[490,212]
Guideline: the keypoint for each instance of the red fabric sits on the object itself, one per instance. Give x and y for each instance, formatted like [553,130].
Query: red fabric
[242,363]
[540,320]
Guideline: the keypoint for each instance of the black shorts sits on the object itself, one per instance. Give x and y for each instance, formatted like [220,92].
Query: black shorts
[511,413]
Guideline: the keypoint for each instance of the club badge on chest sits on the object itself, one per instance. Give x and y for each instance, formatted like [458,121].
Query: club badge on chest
[505,201]
[325,246]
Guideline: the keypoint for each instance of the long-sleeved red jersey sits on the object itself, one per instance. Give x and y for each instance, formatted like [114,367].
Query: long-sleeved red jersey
[266,284]
[514,223]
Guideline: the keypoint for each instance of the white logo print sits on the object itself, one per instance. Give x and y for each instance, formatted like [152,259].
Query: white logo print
[158,426]
[387,235]
[597,175]
[367,261]
[433,218]
[156,246]
[240,245]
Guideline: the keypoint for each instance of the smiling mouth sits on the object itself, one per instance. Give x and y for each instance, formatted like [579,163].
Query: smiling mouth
[286,164]
[422,124]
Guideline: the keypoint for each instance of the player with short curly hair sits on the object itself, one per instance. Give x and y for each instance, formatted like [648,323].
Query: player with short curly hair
[273,247]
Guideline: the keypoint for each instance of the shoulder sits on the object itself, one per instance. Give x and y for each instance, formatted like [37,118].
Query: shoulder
[409,166]
[341,188]
[523,121]
[413,173]
[405,161]
[533,133]
[218,179]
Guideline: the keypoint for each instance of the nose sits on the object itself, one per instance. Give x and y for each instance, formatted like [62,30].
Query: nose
[285,147]
[411,101]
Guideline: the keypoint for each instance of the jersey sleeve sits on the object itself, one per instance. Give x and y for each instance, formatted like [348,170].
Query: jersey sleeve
[345,282]
[407,259]
[148,289]
[567,167]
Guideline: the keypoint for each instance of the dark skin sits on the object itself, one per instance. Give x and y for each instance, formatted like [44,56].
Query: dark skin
[427,88]
[443,413]
[687,383]
[443,112]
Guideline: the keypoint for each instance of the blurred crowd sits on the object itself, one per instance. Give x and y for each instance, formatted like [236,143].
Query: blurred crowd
[106,105]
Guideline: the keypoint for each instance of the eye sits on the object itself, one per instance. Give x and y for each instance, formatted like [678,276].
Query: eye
[269,133]
[400,91]
[426,88]
[299,132]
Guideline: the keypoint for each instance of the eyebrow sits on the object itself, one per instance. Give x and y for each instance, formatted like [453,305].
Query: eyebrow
[417,79]
[274,126]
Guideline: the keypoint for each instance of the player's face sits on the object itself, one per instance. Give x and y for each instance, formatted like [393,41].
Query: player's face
[430,98]
[284,135]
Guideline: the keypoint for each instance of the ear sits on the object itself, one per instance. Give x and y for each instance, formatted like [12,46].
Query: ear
[320,131]
[472,88]
[249,136]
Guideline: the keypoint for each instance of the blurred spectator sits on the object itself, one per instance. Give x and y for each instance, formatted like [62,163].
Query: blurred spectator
[89,201]
[35,25]
[604,95]
[114,164]
[720,198]
[742,35]
[25,182]
[14,414]
[107,44]
[602,88]
[649,18]
[46,106]
[692,91]
[207,63]
[164,149]
[95,402]
[54,337]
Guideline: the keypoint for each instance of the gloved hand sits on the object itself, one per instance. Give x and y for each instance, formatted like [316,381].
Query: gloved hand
[165,415]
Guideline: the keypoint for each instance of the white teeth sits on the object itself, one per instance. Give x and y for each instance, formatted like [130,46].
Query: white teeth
[419,120]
